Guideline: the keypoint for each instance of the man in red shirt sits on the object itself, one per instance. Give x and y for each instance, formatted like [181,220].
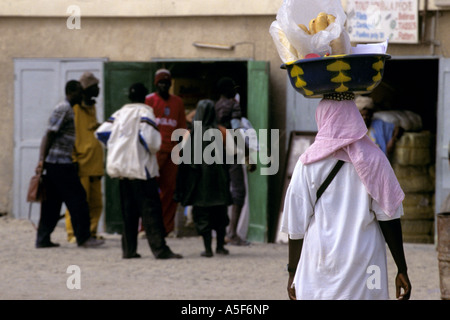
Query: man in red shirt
[170,115]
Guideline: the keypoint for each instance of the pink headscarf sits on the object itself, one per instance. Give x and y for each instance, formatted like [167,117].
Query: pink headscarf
[343,134]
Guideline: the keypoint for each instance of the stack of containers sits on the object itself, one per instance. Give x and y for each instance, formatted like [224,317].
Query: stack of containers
[412,162]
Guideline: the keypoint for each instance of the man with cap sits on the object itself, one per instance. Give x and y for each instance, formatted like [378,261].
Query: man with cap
[170,115]
[88,153]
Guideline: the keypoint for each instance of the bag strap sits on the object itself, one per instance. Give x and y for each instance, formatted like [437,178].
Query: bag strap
[328,180]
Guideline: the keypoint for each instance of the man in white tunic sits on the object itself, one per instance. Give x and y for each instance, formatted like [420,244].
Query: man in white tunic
[337,245]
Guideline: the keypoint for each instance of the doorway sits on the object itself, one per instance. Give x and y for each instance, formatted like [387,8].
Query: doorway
[192,81]
[409,92]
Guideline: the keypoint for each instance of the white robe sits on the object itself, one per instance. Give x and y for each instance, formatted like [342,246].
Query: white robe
[344,252]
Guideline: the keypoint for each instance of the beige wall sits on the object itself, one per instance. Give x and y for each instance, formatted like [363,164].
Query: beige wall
[139,8]
[141,39]
[153,8]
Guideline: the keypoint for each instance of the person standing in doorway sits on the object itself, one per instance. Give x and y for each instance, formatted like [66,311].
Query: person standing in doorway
[384,134]
[205,185]
[170,115]
[133,139]
[61,181]
[88,153]
[228,114]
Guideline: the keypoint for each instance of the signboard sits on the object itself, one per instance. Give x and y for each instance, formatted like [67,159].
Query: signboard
[380,20]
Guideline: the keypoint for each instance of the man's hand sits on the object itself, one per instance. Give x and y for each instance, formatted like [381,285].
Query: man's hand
[39,168]
[290,289]
[392,232]
[402,281]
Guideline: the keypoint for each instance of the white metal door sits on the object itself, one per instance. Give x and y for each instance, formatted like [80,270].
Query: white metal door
[443,134]
[36,91]
[38,87]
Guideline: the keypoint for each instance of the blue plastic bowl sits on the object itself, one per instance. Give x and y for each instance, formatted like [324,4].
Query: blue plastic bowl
[352,73]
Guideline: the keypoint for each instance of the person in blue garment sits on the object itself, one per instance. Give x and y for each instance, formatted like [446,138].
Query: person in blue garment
[383,133]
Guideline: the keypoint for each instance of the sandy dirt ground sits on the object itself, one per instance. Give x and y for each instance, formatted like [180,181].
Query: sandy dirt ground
[256,272]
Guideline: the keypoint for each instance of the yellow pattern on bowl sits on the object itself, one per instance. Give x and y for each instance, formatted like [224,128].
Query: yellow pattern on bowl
[356,73]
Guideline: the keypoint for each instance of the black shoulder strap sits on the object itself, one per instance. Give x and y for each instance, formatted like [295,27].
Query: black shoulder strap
[328,180]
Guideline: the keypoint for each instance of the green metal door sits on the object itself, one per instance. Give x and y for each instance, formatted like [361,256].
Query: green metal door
[118,77]
[258,114]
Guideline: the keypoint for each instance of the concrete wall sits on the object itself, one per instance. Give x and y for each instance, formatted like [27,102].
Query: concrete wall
[139,8]
[153,8]
[146,38]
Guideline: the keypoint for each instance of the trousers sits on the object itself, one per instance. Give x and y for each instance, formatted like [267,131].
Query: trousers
[63,185]
[211,218]
[140,199]
[167,182]
[93,188]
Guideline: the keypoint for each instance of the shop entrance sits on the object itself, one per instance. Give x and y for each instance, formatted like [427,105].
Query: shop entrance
[193,81]
[409,93]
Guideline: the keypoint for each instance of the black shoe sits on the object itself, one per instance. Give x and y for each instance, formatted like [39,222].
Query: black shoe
[207,254]
[47,245]
[222,251]
[136,255]
[170,255]
[92,243]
